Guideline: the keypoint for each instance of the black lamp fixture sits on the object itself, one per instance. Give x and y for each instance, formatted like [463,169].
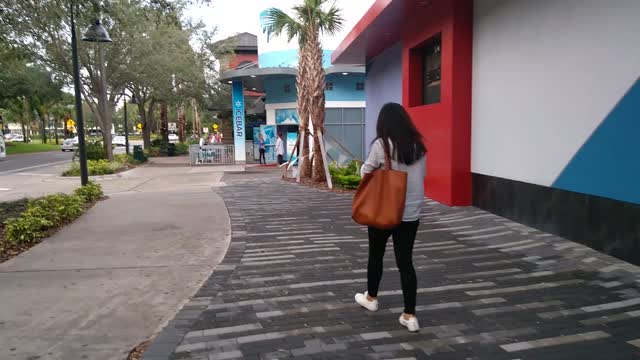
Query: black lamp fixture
[97,33]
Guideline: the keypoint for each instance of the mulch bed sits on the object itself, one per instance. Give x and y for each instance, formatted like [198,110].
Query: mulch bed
[13,210]
[137,352]
[320,186]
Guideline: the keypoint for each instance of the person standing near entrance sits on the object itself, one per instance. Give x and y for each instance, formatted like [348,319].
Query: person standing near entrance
[262,149]
[398,136]
[280,149]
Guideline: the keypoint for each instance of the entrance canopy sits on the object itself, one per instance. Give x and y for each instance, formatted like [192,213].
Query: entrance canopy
[380,27]
[254,78]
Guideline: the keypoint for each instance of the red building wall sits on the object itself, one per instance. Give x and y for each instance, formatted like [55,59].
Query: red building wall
[237,59]
[446,126]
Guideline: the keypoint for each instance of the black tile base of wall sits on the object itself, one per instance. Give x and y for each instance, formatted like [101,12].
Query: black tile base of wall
[606,225]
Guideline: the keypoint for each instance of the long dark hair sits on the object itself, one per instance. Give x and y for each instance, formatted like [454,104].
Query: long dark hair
[395,127]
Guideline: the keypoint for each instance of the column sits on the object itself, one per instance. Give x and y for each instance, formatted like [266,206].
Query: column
[239,135]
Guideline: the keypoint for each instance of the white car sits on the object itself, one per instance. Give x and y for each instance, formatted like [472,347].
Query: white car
[173,138]
[69,144]
[17,138]
[8,137]
[119,141]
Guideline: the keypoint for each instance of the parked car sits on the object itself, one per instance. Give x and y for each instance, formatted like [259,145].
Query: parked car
[17,138]
[8,137]
[173,138]
[119,141]
[69,144]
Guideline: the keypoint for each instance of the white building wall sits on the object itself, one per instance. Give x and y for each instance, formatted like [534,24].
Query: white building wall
[545,75]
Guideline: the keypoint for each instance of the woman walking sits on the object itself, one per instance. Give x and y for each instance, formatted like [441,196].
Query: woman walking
[397,135]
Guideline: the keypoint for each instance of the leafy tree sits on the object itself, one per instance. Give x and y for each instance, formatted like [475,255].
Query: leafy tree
[150,55]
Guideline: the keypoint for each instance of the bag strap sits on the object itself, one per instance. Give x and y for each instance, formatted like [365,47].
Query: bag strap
[387,157]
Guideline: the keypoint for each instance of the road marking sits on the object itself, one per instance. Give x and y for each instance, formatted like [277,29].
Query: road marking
[4,189]
[33,167]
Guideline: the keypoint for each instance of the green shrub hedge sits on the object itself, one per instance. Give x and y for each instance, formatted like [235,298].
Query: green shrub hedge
[90,192]
[96,167]
[49,212]
[347,177]
[182,149]
[95,151]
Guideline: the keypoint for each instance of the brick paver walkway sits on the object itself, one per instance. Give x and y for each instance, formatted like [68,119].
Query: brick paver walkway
[488,289]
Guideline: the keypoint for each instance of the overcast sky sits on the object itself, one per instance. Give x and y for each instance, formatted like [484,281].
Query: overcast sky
[236,16]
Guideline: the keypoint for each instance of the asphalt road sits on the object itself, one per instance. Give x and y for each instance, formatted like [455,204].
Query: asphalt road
[22,162]
[34,161]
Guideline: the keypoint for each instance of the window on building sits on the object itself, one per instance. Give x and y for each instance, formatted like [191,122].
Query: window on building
[431,64]
[360,86]
[328,86]
[287,88]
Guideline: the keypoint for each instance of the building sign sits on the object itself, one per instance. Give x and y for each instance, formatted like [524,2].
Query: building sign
[173,126]
[287,117]
[239,136]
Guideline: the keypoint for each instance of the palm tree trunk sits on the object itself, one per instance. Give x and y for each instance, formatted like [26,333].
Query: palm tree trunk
[303,113]
[316,82]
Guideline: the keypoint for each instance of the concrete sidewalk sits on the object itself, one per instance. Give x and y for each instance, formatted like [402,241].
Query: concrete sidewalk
[488,288]
[119,273]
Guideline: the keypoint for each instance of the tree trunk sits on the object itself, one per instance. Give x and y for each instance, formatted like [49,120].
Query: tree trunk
[43,121]
[316,83]
[55,128]
[150,120]
[197,127]
[182,122]
[164,122]
[303,113]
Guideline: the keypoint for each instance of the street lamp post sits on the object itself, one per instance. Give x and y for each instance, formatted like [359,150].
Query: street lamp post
[95,33]
[84,174]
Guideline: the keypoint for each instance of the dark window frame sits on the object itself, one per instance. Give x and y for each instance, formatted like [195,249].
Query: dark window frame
[431,74]
[328,86]
[359,86]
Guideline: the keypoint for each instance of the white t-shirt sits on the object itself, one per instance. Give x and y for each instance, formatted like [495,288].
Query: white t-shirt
[279,147]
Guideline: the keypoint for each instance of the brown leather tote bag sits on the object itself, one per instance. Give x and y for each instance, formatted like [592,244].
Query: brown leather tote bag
[380,198]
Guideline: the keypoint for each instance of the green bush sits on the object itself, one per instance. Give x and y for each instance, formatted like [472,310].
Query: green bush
[41,215]
[90,192]
[126,159]
[96,167]
[158,143]
[26,229]
[182,149]
[95,151]
[347,177]
[152,152]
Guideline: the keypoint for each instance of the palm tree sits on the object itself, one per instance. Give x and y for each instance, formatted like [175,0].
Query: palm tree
[309,22]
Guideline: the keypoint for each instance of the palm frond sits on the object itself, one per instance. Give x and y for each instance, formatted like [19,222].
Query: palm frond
[276,21]
[330,22]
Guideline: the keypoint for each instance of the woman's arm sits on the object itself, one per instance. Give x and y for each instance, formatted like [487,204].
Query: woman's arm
[375,159]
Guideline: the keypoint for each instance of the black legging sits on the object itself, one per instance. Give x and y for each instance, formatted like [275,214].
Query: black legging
[262,156]
[404,236]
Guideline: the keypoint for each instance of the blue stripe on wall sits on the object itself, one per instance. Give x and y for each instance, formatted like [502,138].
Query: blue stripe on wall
[288,58]
[608,164]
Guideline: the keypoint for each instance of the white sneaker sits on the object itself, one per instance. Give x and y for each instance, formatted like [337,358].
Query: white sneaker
[369,305]
[411,324]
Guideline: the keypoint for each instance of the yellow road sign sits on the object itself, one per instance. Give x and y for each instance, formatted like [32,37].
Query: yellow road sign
[139,126]
[71,123]
[215,126]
